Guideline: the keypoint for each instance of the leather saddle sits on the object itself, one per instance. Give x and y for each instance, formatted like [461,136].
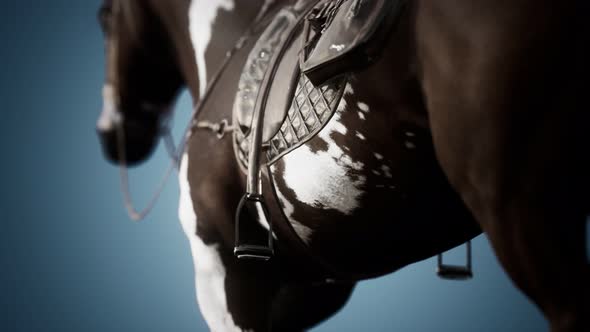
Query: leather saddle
[292,83]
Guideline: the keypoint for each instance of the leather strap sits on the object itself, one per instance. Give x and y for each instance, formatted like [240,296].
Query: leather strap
[294,15]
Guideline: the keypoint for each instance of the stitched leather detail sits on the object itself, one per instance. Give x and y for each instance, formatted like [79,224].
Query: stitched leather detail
[256,69]
[311,108]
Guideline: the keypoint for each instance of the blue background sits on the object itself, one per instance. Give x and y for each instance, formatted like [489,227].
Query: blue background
[70,260]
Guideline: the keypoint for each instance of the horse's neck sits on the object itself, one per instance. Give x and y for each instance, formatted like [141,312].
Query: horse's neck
[215,26]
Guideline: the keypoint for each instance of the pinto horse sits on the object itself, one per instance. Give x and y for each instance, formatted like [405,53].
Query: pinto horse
[472,118]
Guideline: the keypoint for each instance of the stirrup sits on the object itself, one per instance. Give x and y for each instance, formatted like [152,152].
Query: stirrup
[455,272]
[253,206]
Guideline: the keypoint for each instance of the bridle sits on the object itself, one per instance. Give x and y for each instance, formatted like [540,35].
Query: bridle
[175,152]
[132,212]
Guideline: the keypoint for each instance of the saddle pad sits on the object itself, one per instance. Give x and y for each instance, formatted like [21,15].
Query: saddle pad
[311,108]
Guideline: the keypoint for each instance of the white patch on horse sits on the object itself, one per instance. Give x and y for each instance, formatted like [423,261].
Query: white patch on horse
[410,145]
[361,136]
[209,269]
[109,115]
[362,115]
[319,180]
[262,221]
[303,231]
[386,171]
[378,156]
[337,48]
[363,106]
[410,134]
[339,128]
[334,125]
[202,15]
[323,179]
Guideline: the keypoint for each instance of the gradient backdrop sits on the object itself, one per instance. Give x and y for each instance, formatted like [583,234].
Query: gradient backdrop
[70,260]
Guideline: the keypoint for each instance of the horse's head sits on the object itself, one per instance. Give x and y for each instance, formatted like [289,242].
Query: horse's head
[143,78]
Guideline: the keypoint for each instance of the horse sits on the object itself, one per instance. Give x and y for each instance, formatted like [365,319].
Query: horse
[471,118]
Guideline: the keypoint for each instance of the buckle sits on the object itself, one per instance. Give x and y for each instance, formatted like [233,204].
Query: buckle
[253,206]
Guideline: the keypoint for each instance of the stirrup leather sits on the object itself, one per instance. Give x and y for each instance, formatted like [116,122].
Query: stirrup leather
[455,272]
[252,203]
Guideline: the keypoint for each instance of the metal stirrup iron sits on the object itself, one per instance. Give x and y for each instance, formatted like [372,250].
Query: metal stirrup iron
[253,206]
[455,272]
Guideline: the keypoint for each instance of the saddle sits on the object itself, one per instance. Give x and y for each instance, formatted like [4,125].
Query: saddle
[292,83]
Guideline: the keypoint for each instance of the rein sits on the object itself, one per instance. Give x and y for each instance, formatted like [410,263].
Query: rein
[175,153]
[132,212]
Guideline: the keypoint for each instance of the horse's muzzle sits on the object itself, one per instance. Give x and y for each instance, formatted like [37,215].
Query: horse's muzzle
[128,141]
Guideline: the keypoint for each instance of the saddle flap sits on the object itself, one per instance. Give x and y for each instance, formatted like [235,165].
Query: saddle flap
[352,39]
[259,68]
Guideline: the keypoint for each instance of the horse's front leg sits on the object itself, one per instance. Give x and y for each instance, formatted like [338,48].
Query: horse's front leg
[509,124]
[231,296]
[244,296]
